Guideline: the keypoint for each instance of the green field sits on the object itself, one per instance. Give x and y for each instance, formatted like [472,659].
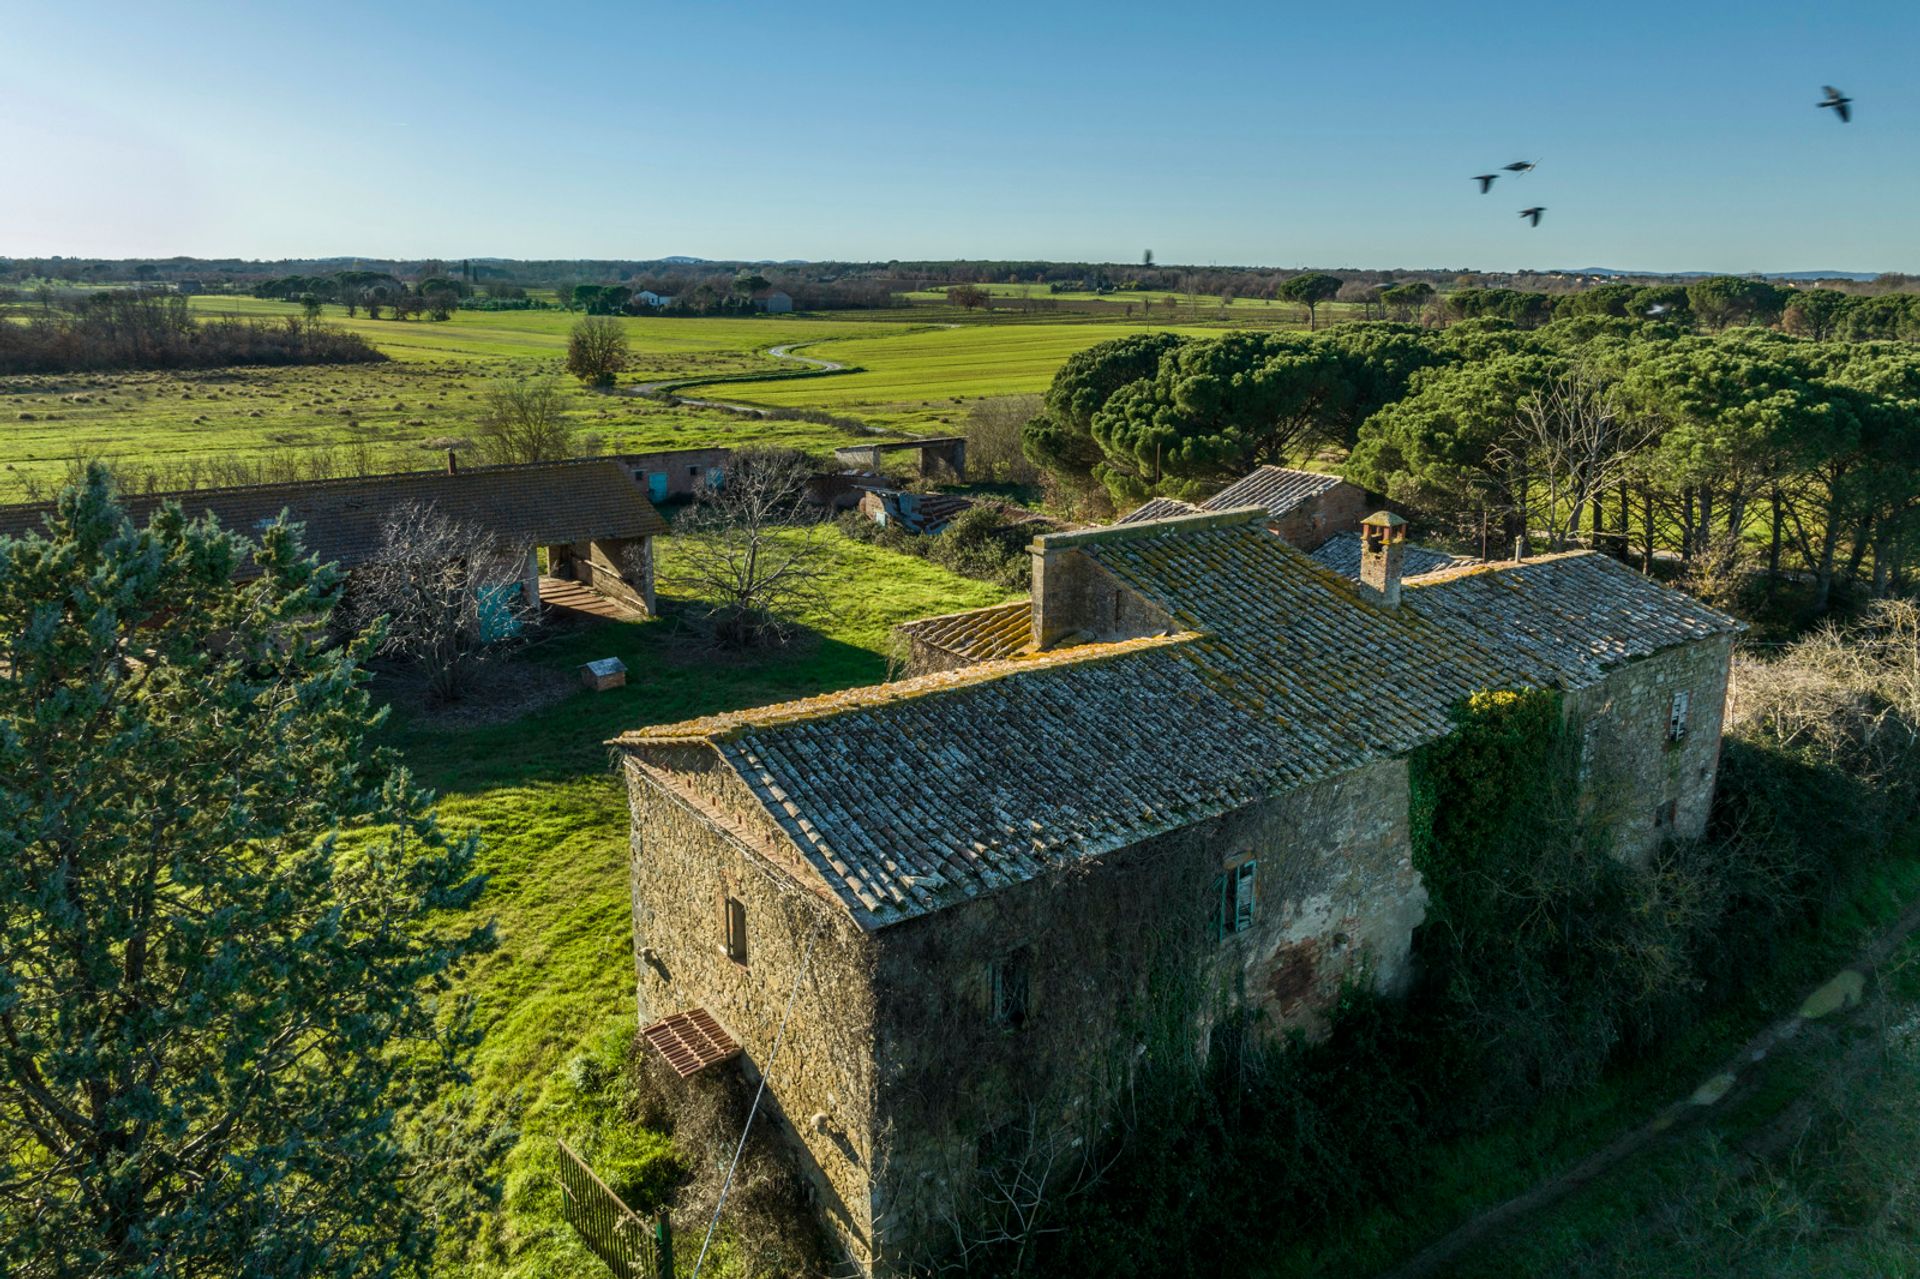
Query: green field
[553,818]
[187,428]
[920,380]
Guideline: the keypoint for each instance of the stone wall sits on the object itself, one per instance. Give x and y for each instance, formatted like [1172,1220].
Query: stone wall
[1075,599]
[1338,510]
[1648,784]
[1123,964]
[685,862]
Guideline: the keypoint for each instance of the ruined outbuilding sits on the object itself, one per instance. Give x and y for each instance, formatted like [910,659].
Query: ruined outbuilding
[588,517]
[1171,786]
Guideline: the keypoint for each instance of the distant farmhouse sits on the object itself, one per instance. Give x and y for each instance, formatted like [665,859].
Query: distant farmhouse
[772,301]
[1171,785]
[647,297]
[590,517]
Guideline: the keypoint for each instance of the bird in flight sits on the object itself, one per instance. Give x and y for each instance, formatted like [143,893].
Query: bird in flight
[1534,213]
[1658,308]
[1842,105]
[1521,166]
[1485,180]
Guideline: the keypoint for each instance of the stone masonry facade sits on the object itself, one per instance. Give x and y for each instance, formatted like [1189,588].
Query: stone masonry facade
[1176,789]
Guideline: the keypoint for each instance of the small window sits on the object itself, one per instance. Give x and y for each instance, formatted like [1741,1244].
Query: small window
[1665,814]
[1007,988]
[733,919]
[1237,898]
[1677,715]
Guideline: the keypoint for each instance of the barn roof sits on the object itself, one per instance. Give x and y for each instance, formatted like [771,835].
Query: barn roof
[538,503]
[1278,490]
[908,797]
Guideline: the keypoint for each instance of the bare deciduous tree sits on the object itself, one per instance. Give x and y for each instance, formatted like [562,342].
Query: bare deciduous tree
[448,593]
[526,421]
[1578,440]
[747,551]
[597,350]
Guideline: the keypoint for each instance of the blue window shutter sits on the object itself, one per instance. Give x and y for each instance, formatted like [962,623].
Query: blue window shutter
[1243,897]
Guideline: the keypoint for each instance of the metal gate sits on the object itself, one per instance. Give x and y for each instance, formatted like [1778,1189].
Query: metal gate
[632,1247]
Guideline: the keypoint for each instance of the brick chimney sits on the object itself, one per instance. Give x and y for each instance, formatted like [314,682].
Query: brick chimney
[1383,545]
[453,462]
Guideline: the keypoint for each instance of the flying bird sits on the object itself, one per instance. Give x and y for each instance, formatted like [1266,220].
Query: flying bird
[1658,308]
[1521,166]
[1534,213]
[1842,105]
[1485,180]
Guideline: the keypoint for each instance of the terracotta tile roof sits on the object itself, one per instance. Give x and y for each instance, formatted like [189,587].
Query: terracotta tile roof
[906,798]
[1341,553]
[977,635]
[690,1041]
[540,503]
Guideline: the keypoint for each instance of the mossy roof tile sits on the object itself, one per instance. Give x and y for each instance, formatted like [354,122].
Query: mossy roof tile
[912,796]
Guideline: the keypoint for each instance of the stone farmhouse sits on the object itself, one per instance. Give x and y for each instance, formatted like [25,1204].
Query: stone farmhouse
[589,516]
[1170,787]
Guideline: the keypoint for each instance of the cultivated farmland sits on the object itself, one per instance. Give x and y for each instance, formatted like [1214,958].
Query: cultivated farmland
[201,427]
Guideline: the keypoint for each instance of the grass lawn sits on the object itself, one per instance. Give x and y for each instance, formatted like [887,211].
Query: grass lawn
[542,793]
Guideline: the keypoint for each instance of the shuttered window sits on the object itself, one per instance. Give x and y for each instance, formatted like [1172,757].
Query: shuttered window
[1677,715]
[733,923]
[1007,988]
[1236,889]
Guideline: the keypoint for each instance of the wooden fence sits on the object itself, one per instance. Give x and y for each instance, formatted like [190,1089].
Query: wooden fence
[632,1247]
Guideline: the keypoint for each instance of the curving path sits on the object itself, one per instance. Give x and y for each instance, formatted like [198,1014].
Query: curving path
[781,352]
[1844,993]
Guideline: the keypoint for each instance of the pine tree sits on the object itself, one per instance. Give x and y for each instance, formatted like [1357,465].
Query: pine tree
[224,931]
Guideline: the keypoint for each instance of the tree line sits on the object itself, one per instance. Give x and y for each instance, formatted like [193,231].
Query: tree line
[128,329]
[1727,452]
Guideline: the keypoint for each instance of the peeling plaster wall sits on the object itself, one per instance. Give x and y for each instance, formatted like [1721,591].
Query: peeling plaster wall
[1120,953]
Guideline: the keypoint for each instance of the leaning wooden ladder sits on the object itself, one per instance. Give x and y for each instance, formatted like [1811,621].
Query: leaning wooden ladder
[619,1236]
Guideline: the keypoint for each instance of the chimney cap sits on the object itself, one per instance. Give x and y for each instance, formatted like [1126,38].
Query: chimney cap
[1386,518]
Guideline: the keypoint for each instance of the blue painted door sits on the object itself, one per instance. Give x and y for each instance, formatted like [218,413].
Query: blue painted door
[657,486]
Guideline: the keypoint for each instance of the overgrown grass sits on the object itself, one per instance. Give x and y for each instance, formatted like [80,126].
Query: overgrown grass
[552,815]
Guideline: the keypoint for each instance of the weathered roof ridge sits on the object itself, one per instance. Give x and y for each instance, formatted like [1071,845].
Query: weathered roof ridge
[1109,533]
[1440,576]
[728,725]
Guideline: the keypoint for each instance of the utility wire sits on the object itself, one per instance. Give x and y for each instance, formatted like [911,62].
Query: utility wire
[780,1036]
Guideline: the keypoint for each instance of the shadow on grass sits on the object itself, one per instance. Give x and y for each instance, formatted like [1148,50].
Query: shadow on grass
[669,678]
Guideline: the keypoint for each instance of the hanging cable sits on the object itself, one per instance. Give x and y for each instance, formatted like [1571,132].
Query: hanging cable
[806,957]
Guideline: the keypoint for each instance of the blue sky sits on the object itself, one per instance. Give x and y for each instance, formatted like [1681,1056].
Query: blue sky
[1672,136]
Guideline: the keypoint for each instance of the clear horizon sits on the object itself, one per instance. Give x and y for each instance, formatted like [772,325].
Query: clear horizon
[1241,136]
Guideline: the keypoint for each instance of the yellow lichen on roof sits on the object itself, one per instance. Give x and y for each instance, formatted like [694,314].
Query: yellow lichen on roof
[729,724]
[1457,572]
